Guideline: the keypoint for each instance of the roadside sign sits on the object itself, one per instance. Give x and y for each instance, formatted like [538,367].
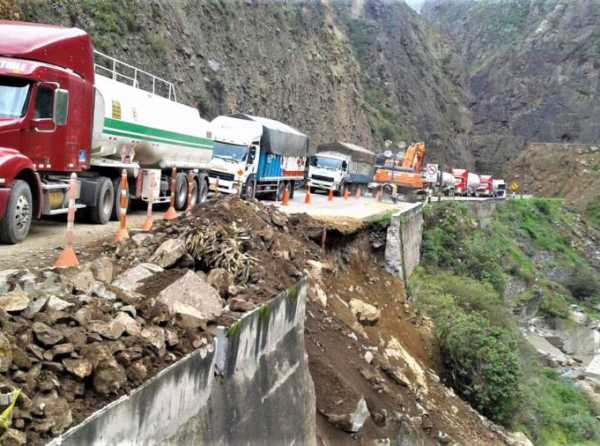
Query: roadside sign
[514,186]
[431,173]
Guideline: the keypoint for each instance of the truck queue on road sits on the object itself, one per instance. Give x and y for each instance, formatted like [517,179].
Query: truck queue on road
[66,108]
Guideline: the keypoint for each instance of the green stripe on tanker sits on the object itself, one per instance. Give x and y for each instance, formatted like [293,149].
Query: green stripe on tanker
[128,129]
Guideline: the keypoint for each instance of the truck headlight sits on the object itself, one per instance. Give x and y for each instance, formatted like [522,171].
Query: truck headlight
[2,180]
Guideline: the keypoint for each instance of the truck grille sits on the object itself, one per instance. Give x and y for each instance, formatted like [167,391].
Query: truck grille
[321,178]
[220,175]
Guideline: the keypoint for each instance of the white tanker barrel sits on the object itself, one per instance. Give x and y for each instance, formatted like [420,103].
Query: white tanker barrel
[160,133]
[447,180]
[473,181]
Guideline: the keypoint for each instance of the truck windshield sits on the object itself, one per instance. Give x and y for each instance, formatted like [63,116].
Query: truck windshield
[326,163]
[14,95]
[230,152]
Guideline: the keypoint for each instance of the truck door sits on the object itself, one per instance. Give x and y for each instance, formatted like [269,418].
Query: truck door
[252,160]
[42,136]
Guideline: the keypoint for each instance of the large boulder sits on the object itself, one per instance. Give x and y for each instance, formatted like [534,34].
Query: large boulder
[190,291]
[168,253]
[102,268]
[366,313]
[132,279]
[351,420]
[220,279]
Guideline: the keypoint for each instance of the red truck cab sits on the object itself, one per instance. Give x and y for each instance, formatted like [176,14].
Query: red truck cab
[485,188]
[461,177]
[46,113]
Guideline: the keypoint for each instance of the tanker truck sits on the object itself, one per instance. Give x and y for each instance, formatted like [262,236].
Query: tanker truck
[438,181]
[256,156]
[340,166]
[61,113]
[466,182]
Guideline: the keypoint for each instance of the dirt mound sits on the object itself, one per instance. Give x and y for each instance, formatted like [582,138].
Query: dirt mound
[75,340]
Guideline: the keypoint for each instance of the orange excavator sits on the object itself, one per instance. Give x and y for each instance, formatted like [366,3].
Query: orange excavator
[400,175]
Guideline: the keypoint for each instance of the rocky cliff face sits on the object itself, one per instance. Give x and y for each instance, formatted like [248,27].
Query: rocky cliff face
[533,70]
[307,63]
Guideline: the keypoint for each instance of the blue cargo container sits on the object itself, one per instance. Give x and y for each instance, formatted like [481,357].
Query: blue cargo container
[269,166]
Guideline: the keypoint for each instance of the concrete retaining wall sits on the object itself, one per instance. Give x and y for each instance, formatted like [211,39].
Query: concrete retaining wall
[252,386]
[404,248]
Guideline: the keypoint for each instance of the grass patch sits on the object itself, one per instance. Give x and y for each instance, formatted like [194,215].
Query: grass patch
[592,213]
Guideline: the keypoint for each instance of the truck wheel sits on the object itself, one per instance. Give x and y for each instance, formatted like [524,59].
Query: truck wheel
[202,185]
[249,188]
[181,190]
[280,191]
[15,225]
[103,202]
[116,212]
[194,186]
[291,189]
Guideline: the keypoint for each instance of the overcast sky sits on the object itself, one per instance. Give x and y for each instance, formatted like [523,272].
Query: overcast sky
[416,4]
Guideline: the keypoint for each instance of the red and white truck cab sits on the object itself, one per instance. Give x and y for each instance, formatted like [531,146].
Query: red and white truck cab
[60,114]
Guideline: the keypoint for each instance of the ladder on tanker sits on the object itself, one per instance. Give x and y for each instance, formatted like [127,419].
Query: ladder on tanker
[120,71]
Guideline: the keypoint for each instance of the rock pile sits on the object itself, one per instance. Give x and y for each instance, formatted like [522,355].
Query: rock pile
[73,340]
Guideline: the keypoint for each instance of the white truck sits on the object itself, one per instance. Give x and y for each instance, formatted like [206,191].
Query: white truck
[339,166]
[256,156]
[499,188]
[438,181]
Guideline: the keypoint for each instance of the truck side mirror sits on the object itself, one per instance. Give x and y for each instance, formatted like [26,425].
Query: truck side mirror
[251,155]
[344,166]
[61,106]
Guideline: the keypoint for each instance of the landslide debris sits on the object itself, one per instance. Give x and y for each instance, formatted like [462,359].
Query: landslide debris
[73,340]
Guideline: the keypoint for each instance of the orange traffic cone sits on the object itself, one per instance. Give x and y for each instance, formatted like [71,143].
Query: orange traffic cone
[122,233]
[68,258]
[286,196]
[330,195]
[171,214]
[307,199]
[346,193]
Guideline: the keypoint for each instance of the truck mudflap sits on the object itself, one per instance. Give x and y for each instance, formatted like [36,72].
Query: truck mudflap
[4,196]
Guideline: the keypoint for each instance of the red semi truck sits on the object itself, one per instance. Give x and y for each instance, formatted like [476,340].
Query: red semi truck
[61,113]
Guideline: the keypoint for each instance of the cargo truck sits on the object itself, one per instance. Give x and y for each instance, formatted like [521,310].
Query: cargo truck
[60,112]
[340,166]
[256,156]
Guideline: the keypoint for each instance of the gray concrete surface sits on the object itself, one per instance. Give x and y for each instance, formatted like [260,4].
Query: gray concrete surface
[403,242]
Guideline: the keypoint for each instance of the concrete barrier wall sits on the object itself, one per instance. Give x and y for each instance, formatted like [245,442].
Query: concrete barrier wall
[403,242]
[251,386]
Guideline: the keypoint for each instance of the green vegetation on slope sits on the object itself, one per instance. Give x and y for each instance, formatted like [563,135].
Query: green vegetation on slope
[592,213]
[462,285]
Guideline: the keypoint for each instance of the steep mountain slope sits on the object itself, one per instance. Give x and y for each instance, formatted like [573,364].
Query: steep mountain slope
[413,81]
[533,70]
[294,61]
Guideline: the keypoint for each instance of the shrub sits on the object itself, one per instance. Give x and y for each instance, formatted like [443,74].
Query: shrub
[486,369]
[583,283]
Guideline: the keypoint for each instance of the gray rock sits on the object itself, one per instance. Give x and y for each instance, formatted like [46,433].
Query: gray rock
[6,355]
[5,276]
[109,377]
[15,301]
[110,330]
[155,336]
[131,279]
[132,327]
[46,335]
[14,437]
[350,421]
[168,253]
[189,293]
[57,304]
[81,367]
[141,238]
[80,281]
[102,268]
[35,306]
[220,279]
[102,292]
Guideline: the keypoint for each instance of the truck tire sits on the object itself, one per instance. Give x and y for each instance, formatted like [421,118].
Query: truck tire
[104,202]
[194,191]
[291,189]
[249,188]
[181,190]
[280,191]
[116,212]
[15,225]
[202,185]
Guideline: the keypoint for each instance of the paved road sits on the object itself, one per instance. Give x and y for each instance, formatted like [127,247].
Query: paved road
[47,236]
[342,211]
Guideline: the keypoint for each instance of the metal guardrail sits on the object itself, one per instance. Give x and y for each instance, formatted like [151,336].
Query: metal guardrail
[123,72]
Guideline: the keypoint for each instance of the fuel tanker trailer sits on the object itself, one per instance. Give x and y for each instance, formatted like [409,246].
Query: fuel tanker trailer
[65,108]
